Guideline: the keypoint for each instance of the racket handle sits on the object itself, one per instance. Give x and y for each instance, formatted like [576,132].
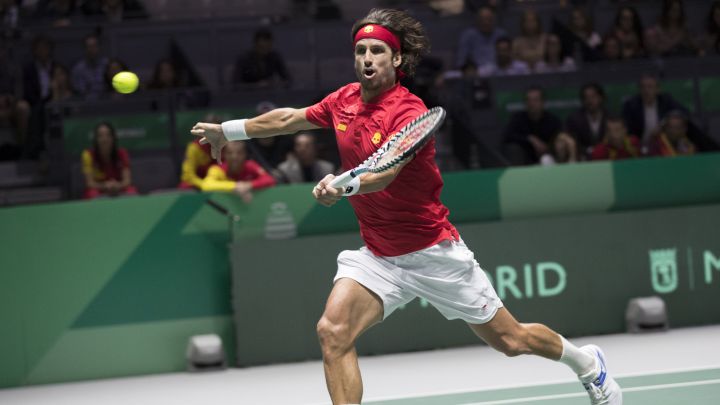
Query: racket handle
[342,180]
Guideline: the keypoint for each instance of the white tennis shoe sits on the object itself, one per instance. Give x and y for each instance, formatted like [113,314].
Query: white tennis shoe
[602,389]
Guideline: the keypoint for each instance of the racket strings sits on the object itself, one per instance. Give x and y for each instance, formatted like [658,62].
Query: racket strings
[402,144]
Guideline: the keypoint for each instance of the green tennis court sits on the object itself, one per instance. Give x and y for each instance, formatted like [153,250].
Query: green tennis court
[695,387]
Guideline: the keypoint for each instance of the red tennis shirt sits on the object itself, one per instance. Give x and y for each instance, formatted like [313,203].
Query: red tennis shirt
[407,216]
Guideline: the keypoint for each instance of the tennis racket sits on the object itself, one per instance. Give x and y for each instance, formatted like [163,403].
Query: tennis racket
[399,147]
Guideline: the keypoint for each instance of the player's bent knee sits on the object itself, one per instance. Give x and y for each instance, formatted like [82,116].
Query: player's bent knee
[334,337]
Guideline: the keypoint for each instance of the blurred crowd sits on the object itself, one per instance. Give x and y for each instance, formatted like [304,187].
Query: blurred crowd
[650,123]
[487,50]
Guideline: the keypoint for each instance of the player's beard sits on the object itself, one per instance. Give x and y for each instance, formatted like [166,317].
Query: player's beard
[376,82]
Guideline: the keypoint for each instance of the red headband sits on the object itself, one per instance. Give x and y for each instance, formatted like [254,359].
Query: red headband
[375,31]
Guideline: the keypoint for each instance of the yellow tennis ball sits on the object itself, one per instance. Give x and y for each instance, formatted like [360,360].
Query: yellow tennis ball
[125,82]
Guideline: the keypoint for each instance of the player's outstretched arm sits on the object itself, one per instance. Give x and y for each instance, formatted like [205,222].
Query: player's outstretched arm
[280,121]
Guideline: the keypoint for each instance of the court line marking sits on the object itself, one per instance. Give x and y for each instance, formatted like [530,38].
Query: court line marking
[582,394]
[551,382]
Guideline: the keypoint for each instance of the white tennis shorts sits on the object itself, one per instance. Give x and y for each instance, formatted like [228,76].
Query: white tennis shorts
[446,275]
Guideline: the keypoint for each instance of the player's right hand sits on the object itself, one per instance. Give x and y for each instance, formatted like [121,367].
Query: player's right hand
[211,134]
[325,194]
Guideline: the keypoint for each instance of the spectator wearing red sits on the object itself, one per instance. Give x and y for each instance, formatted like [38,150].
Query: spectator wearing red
[672,140]
[197,161]
[617,144]
[237,174]
[106,166]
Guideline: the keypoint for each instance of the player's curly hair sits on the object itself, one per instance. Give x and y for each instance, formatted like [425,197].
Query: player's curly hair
[414,43]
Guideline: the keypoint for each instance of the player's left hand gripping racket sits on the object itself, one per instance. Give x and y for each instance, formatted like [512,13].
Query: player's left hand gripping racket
[399,147]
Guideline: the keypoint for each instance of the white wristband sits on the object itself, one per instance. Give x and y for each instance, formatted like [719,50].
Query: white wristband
[235,130]
[353,187]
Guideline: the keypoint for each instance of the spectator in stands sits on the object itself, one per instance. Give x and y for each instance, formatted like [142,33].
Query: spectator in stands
[631,49]
[628,29]
[672,139]
[237,174]
[61,12]
[505,64]
[14,122]
[581,26]
[303,166]
[555,60]
[529,132]
[37,73]
[587,124]
[9,18]
[710,39]
[197,160]
[617,143]
[109,10]
[113,10]
[106,165]
[477,44]
[529,47]
[261,66]
[643,112]
[612,49]
[271,151]
[671,37]
[36,84]
[88,74]
[9,82]
[60,87]
[165,76]
[562,150]
[114,66]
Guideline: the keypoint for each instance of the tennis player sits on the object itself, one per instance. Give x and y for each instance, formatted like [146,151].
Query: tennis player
[411,249]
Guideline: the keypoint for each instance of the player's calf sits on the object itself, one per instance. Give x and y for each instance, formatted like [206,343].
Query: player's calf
[512,344]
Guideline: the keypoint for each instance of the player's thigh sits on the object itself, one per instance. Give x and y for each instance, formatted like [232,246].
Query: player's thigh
[503,327]
[352,307]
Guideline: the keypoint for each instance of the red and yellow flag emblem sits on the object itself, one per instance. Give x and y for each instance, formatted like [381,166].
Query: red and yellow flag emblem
[341,127]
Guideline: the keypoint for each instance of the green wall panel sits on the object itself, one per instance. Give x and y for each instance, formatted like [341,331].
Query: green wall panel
[61,255]
[126,349]
[665,182]
[190,265]
[710,93]
[556,190]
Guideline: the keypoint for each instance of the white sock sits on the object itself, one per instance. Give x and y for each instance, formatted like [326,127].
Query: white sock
[579,361]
